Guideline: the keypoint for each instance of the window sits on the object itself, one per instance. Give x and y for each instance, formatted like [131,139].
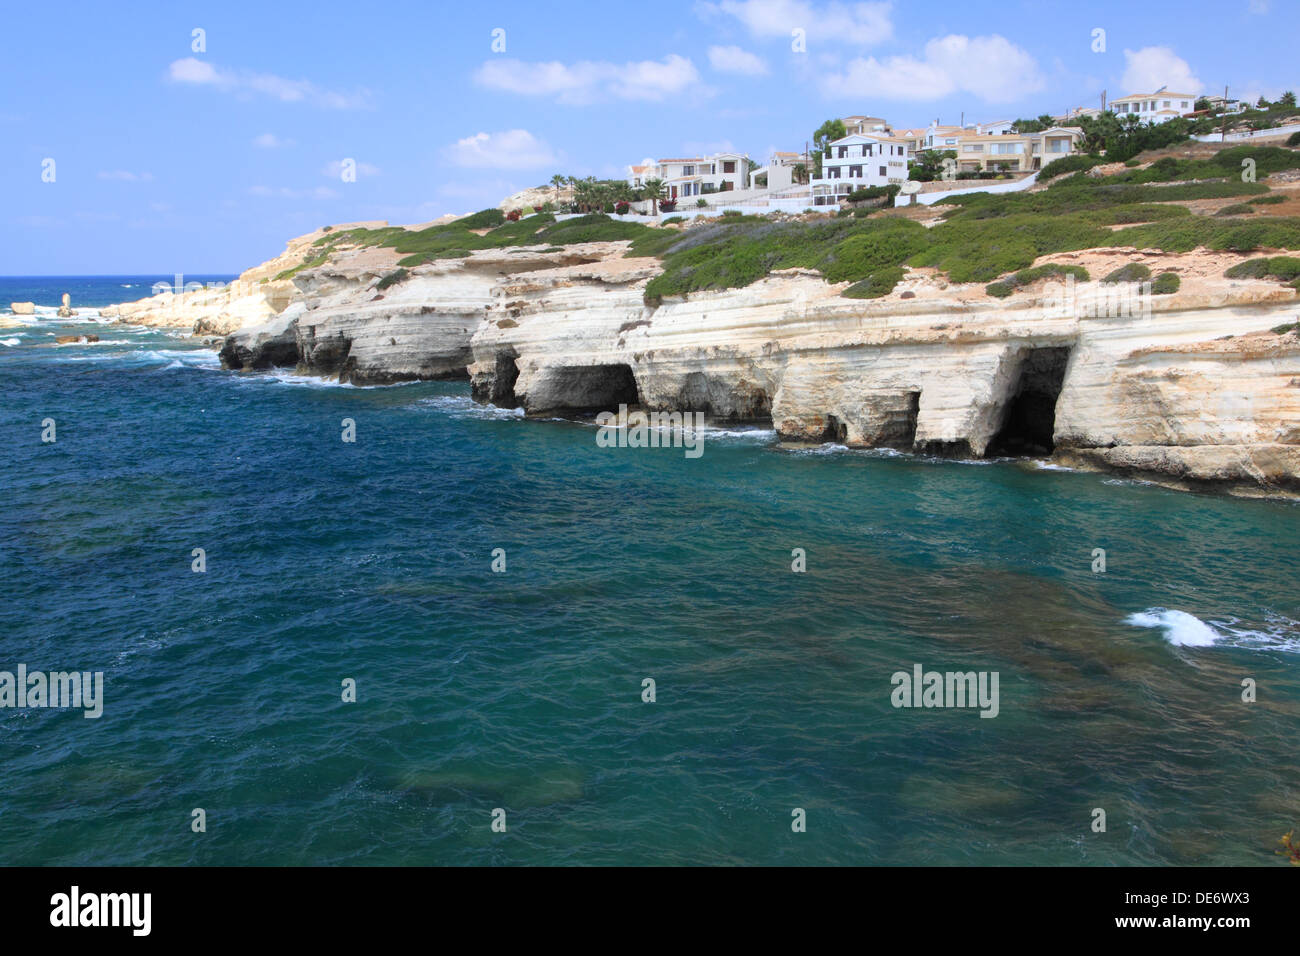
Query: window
[729,166]
[855,172]
[844,151]
[688,170]
[883,171]
[1184,104]
[1169,104]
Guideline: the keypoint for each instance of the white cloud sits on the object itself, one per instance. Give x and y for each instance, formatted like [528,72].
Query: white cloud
[861,24]
[511,149]
[732,59]
[196,72]
[1259,6]
[589,80]
[334,169]
[125,176]
[990,67]
[271,141]
[1155,66]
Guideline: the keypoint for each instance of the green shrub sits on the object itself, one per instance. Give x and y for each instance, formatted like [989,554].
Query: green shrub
[594,228]
[1293,139]
[879,283]
[1068,164]
[1187,233]
[1236,209]
[1287,327]
[1132,163]
[483,219]
[1266,200]
[1026,276]
[1285,268]
[1133,272]
[1166,283]
[1250,269]
[865,253]
[670,220]
[310,263]
[392,279]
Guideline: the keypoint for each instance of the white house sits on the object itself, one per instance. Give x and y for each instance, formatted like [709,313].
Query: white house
[858,161]
[638,175]
[943,137]
[1228,106]
[868,125]
[1158,107]
[702,175]
[779,173]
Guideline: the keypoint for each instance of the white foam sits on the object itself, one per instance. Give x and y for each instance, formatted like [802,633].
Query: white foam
[1279,633]
[9,342]
[182,358]
[286,377]
[462,406]
[1180,628]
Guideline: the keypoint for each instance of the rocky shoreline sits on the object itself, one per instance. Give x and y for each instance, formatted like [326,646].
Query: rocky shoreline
[1200,392]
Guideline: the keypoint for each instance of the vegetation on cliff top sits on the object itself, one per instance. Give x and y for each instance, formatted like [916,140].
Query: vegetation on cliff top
[983,236]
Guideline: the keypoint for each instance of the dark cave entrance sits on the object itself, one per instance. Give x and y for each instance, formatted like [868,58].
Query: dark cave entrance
[594,388]
[1029,417]
[504,377]
[898,430]
[498,388]
[836,431]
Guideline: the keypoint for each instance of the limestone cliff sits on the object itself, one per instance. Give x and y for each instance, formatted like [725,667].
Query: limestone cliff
[1197,392]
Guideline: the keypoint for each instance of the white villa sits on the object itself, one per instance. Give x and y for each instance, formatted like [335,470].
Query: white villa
[694,176]
[867,125]
[779,173]
[637,176]
[1158,107]
[1015,152]
[858,161]
[1228,106]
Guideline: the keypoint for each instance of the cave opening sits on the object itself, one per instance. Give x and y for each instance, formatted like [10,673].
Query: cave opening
[723,399]
[898,430]
[836,431]
[593,388]
[505,375]
[1029,416]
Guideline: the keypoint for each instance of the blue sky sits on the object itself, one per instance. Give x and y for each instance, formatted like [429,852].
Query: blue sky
[172,160]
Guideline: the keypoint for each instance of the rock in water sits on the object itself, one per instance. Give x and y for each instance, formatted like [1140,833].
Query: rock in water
[65,310]
[22,308]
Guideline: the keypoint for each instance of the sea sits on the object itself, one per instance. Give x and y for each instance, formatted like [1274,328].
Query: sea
[467,637]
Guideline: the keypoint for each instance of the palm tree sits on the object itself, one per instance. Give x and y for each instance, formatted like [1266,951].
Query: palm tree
[557,181]
[653,190]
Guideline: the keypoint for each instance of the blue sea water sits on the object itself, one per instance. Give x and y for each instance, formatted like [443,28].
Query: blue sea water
[522,690]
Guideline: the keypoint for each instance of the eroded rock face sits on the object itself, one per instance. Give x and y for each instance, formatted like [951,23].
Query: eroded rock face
[1197,392]
[1161,394]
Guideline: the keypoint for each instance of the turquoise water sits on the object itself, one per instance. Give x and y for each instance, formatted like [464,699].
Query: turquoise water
[522,690]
